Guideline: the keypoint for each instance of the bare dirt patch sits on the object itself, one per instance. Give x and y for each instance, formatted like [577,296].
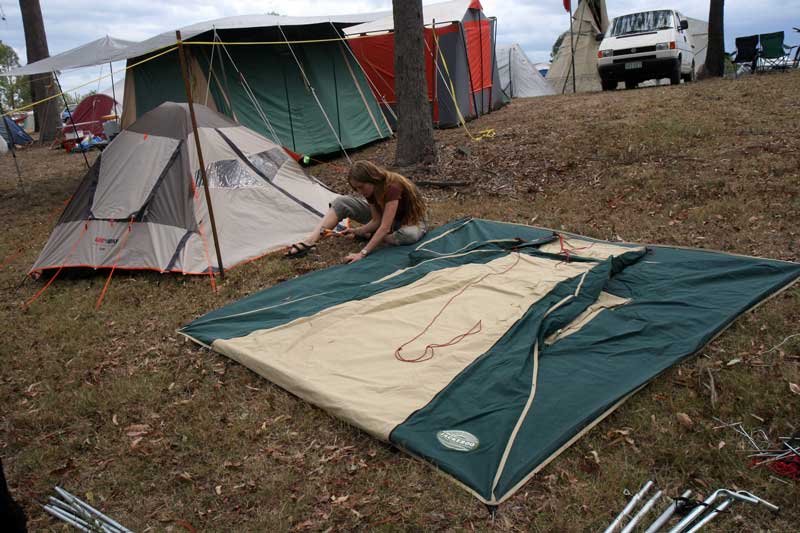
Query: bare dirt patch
[113,406]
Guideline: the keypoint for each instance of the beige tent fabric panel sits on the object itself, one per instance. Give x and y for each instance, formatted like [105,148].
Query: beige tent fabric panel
[343,358]
[591,249]
[213,147]
[129,170]
[604,301]
[251,222]
[248,141]
[129,100]
[292,179]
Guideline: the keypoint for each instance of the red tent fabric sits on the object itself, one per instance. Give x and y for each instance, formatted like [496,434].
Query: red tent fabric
[88,116]
[463,51]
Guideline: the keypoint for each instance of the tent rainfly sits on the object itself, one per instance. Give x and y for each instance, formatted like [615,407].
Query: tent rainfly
[140,205]
[519,78]
[460,63]
[489,348]
[589,19]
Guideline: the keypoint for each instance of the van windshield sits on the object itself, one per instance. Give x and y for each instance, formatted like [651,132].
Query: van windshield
[642,22]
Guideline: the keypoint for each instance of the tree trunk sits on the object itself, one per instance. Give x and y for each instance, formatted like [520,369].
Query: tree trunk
[415,143]
[46,114]
[715,58]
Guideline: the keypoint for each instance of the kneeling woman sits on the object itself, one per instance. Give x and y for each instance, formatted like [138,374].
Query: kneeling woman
[392,213]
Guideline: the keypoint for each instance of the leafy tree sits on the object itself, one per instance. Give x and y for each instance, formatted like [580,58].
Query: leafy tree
[14,90]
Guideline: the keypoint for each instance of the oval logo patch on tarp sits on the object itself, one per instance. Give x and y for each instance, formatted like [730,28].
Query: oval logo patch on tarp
[460,441]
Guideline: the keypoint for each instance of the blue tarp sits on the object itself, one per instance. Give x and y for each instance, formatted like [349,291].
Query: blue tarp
[11,132]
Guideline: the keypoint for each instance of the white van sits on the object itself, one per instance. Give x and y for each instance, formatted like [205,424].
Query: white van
[646,46]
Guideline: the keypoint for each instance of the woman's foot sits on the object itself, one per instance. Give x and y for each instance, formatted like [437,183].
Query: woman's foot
[298,250]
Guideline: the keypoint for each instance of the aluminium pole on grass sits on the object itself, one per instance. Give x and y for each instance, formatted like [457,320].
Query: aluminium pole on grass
[187,87]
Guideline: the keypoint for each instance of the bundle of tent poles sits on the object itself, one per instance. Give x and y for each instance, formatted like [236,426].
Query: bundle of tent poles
[696,514]
[81,515]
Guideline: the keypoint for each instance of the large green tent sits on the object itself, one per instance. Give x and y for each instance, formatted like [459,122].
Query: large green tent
[489,348]
[311,97]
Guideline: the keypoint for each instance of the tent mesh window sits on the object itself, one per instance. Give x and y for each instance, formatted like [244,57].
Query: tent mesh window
[230,174]
[269,162]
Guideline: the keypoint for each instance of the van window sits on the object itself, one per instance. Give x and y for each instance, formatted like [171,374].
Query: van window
[642,22]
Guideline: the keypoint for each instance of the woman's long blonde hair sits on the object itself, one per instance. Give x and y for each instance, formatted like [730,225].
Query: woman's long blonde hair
[367,172]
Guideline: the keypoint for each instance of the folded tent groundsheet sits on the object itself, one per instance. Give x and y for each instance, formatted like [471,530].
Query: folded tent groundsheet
[540,336]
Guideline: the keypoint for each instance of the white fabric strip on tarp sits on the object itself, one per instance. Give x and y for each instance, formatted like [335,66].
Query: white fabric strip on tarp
[129,169]
[358,378]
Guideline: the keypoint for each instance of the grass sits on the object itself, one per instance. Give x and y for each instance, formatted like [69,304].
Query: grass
[113,406]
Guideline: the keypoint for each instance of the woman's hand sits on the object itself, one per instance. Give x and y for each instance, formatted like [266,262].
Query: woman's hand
[352,258]
[350,233]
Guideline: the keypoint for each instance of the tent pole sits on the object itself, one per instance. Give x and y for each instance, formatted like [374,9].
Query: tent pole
[480,40]
[469,66]
[435,97]
[11,144]
[572,47]
[187,87]
[493,64]
[69,114]
[113,91]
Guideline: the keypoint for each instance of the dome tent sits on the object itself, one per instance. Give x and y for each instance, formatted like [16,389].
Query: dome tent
[140,205]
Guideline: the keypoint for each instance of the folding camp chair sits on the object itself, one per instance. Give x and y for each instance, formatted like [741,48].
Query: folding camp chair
[774,54]
[746,54]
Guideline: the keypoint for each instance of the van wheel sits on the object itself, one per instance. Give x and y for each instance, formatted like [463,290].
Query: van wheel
[608,85]
[631,84]
[691,77]
[675,76]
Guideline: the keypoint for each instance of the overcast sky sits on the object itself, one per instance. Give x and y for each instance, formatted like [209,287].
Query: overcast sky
[534,24]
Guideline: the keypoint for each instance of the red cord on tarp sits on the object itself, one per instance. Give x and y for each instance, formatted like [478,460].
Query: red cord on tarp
[428,353]
[567,251]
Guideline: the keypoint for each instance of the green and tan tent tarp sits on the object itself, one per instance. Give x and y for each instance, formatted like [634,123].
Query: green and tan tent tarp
[524,338]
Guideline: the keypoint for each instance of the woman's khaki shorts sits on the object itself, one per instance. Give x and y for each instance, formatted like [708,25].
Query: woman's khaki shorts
[358,209]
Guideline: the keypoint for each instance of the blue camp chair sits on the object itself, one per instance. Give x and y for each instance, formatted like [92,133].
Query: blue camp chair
[746,54]
[774,53]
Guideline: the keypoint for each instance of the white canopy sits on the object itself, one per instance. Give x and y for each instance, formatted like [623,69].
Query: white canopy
[93,53]
[443,12]
[109,49]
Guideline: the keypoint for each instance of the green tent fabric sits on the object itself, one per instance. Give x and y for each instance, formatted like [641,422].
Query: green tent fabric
[279,87]
[556,366]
